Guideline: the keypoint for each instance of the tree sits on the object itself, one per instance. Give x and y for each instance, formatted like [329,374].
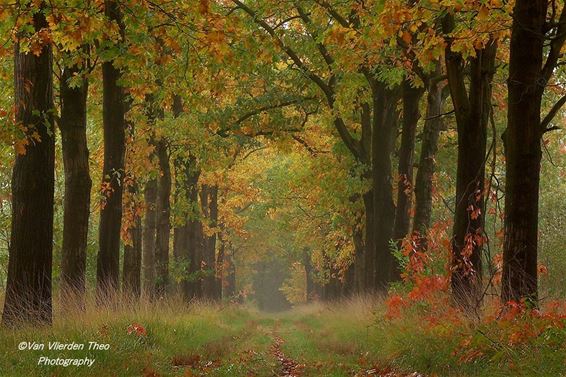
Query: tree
[163,219]
[148,243]
[385,120]
[472,107]
[209,205]
[427,164]
[114,110]
[411,116]
[72,123]
[28,290]
[132,222]
[529,76]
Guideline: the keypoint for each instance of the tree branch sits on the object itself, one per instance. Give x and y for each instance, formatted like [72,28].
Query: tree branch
[552,113]
[555,49]
[288,50]
[328,90]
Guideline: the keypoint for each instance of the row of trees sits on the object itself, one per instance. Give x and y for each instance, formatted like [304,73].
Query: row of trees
[189,90]
[457,43]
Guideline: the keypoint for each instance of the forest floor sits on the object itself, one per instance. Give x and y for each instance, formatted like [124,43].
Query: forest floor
[347,339]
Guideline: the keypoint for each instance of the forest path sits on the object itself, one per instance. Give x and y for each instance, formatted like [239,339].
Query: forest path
[289,367]
[216,341]
[308,343]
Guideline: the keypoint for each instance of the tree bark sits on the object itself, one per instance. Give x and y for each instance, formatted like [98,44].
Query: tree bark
[220,269]
[114,109]
[411,115]
[149,233]
[365,259]
[528,75]
[209,204]
[131,272]
[472,108]
[358,265]
[369,243]
[163,219]
[427,163]
[188,238]
[72,125]
[28,290]
[309,283]
[385,123]
[229,289]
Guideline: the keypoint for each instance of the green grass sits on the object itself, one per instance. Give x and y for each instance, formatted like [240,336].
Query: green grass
[344,339]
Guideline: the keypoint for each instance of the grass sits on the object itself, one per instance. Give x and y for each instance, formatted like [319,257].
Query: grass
[343,339]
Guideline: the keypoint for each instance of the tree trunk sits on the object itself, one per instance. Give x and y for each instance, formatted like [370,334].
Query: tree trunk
[163,220]
[149,233]
[358,265]
[78,184]
[180,230]
[229,290]
[472,108]
[220,270]
[131,275]
[348,284]
[210,206]
[113,114]
[385,123]
[369,243]
[197,243]
[28,290]
[523,149]
[191,240]
[365,266]
[411,115]
[427,163]
[309,283]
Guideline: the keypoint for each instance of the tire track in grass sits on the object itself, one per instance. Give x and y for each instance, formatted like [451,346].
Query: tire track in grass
[288,366]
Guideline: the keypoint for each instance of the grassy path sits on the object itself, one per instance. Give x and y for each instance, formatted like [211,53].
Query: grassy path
[197,341]
[348,340]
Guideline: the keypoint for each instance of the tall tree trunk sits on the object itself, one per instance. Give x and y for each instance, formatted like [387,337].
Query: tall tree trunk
[131,272]
[528,74]
[28,290]
[180,241]
[427,163]
[163,219]
[365,266]
[78,184]
[113,114]
[149,233]
[358,265]
[411,115]
[209,202]
[180,245]
[472,108]
[197,244]
[385,123]
[229,284]
[369,243]
[348,286]
[191,240]
[220,269]
[309,283]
